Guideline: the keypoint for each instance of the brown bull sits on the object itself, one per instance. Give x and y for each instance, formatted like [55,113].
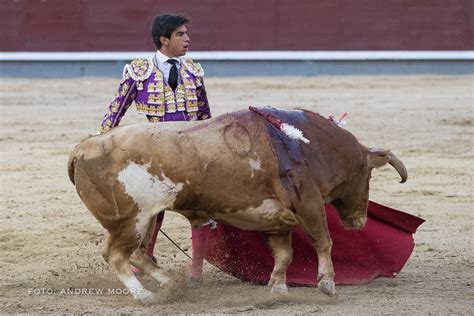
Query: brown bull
[235,168]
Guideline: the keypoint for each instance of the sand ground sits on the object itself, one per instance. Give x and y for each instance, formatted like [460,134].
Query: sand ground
[50,259]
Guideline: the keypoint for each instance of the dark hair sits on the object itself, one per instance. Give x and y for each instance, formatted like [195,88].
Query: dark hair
[165,25]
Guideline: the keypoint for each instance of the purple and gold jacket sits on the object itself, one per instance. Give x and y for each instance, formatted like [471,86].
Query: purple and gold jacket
[144,83]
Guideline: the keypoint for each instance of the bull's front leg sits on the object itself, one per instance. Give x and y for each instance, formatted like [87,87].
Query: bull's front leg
[325,269]
[283,254]
[313,220]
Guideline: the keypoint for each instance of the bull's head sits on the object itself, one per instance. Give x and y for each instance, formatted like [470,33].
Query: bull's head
[354,196]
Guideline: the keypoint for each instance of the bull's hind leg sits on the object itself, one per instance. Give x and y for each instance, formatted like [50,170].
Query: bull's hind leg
[283,254]
[313,220]
[140,258]
[120,247]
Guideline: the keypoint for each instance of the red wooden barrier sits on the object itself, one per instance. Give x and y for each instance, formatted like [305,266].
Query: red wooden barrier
[110,25]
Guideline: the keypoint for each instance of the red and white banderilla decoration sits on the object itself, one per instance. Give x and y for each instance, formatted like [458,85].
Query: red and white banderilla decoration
[287,129]
[340,121]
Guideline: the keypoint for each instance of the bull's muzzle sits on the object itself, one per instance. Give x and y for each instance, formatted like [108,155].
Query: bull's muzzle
[355,223]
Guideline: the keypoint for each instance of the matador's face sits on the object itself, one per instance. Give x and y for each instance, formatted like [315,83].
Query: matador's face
[177,45]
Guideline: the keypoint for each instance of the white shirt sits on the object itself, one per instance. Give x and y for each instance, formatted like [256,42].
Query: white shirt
[162,64]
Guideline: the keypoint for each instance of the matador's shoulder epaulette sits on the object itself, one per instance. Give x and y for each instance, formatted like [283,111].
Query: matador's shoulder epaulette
[139,69]
[193,67]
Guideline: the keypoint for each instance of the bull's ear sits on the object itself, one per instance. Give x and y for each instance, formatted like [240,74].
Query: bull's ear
[377,157]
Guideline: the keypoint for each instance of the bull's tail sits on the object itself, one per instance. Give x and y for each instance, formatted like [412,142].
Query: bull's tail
[73,156]
[71,165]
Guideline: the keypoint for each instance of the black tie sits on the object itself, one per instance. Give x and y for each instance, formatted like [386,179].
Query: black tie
[173,77]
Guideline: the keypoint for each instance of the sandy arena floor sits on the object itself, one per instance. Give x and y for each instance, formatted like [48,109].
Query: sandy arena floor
[51,245]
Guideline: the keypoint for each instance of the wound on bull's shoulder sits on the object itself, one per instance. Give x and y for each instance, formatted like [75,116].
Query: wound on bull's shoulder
[237,139]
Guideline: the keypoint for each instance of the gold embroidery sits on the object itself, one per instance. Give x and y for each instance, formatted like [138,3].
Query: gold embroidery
[141,107]
[170,106]
[158,75]
[191,95]
[151,87]
[155,99]
[140,66]
[168,91]
[114,106]
[170,100]
[180,98]
[124,89]
[181,106]
[198,81]
[153,119]
[194,68]
[179,89]
[188,82]
[155,87]
[158,110]
[183,73]
[139,69]
[192,117]
[192,106]
[104,129]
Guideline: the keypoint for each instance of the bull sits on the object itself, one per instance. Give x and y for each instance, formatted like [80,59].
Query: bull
[236,168]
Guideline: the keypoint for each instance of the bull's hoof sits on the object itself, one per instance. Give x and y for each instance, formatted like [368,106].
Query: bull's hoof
[354,224]
[162,278]
[280,289]
[271,282]
[328,287]
[144,297]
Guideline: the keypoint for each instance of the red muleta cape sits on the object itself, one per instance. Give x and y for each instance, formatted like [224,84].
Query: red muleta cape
[381,249]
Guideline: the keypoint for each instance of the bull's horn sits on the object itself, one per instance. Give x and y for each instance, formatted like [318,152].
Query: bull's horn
[399,166]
